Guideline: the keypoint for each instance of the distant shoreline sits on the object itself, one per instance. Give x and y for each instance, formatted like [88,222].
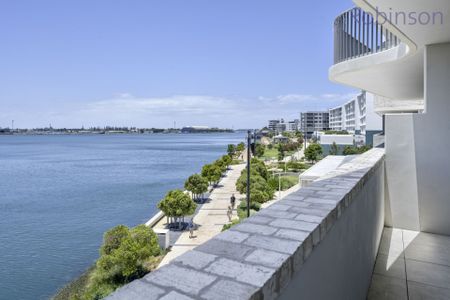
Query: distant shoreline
[37,133]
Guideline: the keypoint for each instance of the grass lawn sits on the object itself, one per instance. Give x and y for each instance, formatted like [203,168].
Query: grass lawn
[292,179]
[270,153]
[273,153]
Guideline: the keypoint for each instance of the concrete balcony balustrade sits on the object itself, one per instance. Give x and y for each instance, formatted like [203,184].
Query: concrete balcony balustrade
[369,46]
[318,243]
[358,33]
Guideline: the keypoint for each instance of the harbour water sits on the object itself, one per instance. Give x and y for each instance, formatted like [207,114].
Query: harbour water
[58,194]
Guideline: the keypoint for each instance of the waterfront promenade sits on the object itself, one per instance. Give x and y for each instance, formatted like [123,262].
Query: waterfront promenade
[210,217]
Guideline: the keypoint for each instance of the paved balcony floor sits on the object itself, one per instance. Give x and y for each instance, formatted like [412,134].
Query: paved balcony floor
[411,265]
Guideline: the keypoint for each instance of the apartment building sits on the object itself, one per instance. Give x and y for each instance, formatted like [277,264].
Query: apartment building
[357,116]
[281,125]
[273,124]
[314,121]
[292,125]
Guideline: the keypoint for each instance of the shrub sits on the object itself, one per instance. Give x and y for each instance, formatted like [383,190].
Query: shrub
[258,181]
[242,209]
[123,258]
[341,132]
[253,205]
[112,239]
[228,226]
[334,149]
[258,196]
[285,182]
[259,150]
[296,166]
[351,150]
[313,152]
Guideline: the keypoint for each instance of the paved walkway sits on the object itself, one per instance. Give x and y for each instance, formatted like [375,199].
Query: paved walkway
[411,265]
[210,217]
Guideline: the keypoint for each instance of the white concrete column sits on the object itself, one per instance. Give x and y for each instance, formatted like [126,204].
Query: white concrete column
[402,205]
[418,154]
[432,143]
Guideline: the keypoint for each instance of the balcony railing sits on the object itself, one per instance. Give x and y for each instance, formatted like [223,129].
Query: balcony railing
[357,33]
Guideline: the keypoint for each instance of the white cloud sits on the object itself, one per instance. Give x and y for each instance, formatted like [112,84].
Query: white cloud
[125,109]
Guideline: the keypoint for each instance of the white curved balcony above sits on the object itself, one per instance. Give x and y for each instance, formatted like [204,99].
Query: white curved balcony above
[376,57]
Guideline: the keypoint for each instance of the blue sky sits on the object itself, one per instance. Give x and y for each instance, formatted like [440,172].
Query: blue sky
[149,63]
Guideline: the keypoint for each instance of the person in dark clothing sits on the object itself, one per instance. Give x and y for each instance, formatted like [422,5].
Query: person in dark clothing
[233,201]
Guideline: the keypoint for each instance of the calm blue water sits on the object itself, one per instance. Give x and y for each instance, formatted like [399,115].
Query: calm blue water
[58,194]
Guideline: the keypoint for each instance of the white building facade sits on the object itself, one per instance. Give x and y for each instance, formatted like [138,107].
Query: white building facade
[357,116]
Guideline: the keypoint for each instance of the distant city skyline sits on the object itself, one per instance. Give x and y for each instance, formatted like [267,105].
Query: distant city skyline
[222,63]
[130,111]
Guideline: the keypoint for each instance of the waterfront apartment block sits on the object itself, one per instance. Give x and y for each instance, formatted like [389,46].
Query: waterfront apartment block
[280,126]
[293,125]
[376,225]
[314,121]
[357,116]
[274,124]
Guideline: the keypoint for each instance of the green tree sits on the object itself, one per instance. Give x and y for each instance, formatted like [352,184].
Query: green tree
[197,185]
[226,160]
[334,149]
[313,152]
[231,150]
[280,152]
[259,150]
[240,147]
[177,204]
[221,164]
[212,173]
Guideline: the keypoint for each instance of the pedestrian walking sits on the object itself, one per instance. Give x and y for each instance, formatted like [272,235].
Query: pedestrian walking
[229,213]
[233,201]
[191,230]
